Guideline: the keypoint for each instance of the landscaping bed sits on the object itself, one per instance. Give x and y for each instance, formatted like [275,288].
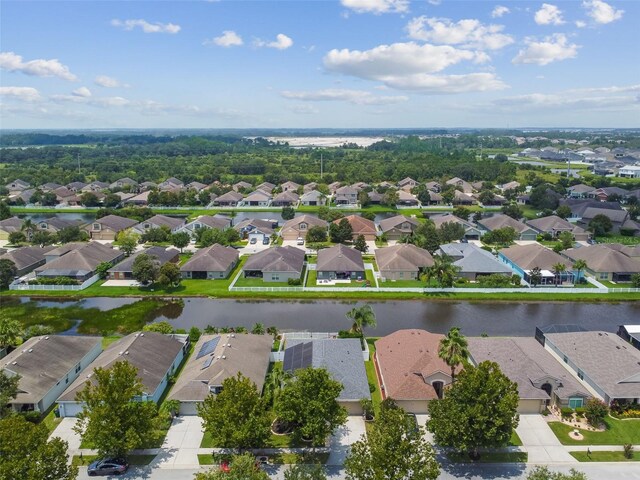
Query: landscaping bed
[490,457]
[604,457]
[618,432]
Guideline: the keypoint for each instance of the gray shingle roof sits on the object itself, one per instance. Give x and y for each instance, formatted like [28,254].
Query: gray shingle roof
[601,258]
[25,257]
[164,220]
[293,225]
[397,221]
[161,254]
[250,224]
[502,221]
[215,258]
[340,258]
[276,259]
[474,259]
[116,222]
[216,221]
[534,255]
[403,257]
[80,261]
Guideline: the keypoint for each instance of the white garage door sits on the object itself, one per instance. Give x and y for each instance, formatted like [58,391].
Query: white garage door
[70,409]
[188,408]
[529,406]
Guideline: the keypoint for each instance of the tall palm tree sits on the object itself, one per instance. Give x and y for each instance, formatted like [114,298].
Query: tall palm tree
[453,350]
[363,316]
[579,266]
[28,227]
[558,270]
[443,270]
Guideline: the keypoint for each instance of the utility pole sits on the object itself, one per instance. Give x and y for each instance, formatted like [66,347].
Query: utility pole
[321,166]
[78,162]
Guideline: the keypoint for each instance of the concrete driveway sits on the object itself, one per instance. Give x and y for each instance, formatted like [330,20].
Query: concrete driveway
[540,442]
[180,446]
[342,439]
[64,430]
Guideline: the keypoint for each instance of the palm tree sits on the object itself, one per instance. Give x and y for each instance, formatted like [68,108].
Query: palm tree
[363,316]
[28,227]
[558,270]
[258,329]
[443,269]
[453,350]
[579,266]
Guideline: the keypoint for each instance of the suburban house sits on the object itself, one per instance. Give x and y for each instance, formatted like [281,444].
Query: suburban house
[276,264]
[50,186]
[603,363]
[619,218]
[290,186]
[554,226]
[298,227]
[145,186]
[95,186]
[54,224]
[257,199]
[471,232]
[287,198]
[156,357]
[213,262]
[219,222]
[124,269]
[308,187]
[375,198]
[80,263]
[410,370]
[47,365]
[604,193]
[64,196]
[500,220]
[473,261]
[197,186]
[461,198]
[433,187]
[580,191]
[313,198]
[509,186]
[631,334]
[107,228]
[578,206]
[265,187]
[403,261]
[542,381]
[139,199]
[398,226]
[341,357]
[333,187]
[251,228]
[359,186]
[9,225]
[461,185]
[346,196]
[605,263]
[629,171]
[124,182]
[340,263]
[242,185]
[26,259]
[171,183]
[406,199]
[524,258]
[229,199]
[216,358]
[158,221]
[17,186]
[76,186]
[407,184]
[360,226]
[632,251]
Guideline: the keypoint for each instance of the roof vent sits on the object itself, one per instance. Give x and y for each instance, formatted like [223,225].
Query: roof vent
[14,363]
[233,335]
[224,357]
[30,350]
[24,351]
[218,357]
[127,352]
[136,334]
[142,334]
[228,344]
[46,338]
[119,353]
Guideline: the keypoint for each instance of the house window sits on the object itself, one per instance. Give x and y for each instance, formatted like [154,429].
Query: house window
[275,277]
[580,375]
[401,275]
[96,226]
[77,368]
[566,360]
[576,403]
[303,226]
[604,276]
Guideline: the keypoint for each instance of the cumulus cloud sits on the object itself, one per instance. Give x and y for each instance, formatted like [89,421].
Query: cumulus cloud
[580,24]
[282,42]
[39,68]
[445,84]
[102,102]
[376,6]
[26,94]
[304,109]
[552,49]
[469,33]
[602,12]
[549,15]
[108,82]
[499,11]
[356,97]
[82,92]
[145,26]
[229,38]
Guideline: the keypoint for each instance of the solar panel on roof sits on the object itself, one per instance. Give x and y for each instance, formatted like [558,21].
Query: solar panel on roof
[298,356]
[208,347]
[207,362]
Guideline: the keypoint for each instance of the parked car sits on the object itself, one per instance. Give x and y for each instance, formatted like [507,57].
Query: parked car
[300,241]
[253,241]
[108,466]
[265,241]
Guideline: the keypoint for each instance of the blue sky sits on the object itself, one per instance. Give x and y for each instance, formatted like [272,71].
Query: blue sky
[342,64]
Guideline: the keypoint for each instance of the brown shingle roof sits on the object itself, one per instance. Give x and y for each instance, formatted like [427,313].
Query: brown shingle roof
[215,258]
[601,258]
[276,259]
[359,225]
[403,257]
[502,221]
[387,224]
[340,258]
[293,225]
[116,222]
[534,255]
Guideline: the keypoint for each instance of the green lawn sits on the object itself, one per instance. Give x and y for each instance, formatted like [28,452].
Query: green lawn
[619,432]
[376,395]
[491,457]
[604,457]
[50,421]
[108,340]
[403,284]
[258,282]
[279,459]
[132,459]
[515,440]
[312,279]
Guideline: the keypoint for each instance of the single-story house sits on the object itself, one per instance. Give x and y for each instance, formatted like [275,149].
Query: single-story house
[542,380]
[80,263]
[124,182]
[631,334]
[265,187]
[156,357]
[288,198]
[346,196]
[509,186]
[375,198]
[618,218]
[26,259]
[213,262]
[398,226]
[124,269]
[76,186]
[96,186]
[47,365]
[461,198]
[54,224]
[333,187]
[145,186]
[313,198]
[403,261]
[473,261]
[554,226]
[579,206]
[433,186]
[216,358]
[108,227]
[298,227]
[471,232]
[632,251]
[410,370]
[341,357]
[171,183]
[290,186]
[580,191]
[197,186]
[17,186]
[257,199]
[229,199]
[340,263]
[308,187]
[605,263]
[462,185]
[524,258]
[276,264]
[241,185]
[219,222]
[251,228]
[360,226]
[139,199]
[406,199]
[9,225]
[500,220]
[603,363]
[407,184]
[157,221]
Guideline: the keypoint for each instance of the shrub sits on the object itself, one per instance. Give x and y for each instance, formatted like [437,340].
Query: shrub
[33,417]
[628,450]
[566,412]
[494,280]
[53,281]
[294,281]
[595,411]
[580,411]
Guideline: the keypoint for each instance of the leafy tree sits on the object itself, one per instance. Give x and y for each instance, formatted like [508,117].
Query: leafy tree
[16,238]
[501,157]
[535,276]
[328,215]
[8,391]
[89,199]
[422,194]
[563,211]
[479,410]
[453,350]
[393,448]
[363,199]
[111,420]
[450,231]
[361,317]
[443,270]
[160,327]
[10,332]
[72,234]
[635,280]
[500,236]
[317,234]
[49,199]
[361,244]
[206,237]
[341,232]
[128,241]
[462,212]
[595,411]
[8,271]
[390,198]
[305,471]
[5,212]
[236,417]
[579,266]
[26,453]
[145,268]
[600,224]
[194,334]
[288,213]
[42,238]
[542,197]
[169,275]
[368,215]
[513,210]
[157,235]
[180,240]
[426,236]
[566,240]
[486,197]
[242,467]
[103,268]
[543,473]
[310,400]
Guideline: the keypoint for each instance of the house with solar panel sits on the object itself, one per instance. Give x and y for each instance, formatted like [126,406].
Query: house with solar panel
[341,357]
[216,358]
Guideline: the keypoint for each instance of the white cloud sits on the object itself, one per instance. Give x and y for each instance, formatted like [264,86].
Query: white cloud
[26,94]
[229,38]
[377,6]
[146,27]
[445,84]
[499,11]
[102,102]
[602,12]
[469,33]
[549,15]
[552,49]
[82,92]
[304,109]
[434,2]
[108,82]
[39,68]
[282,42]
[580,24]
[356,97]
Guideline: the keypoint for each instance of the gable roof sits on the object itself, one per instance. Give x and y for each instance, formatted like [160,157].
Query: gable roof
[552,222]
[359,225]
[616,216]
[346,190]
[151,353]
[264,226]
[403,257]
[116,222]
[80,261]
[601,258]
[311,196]
[163,220]
[257,196]
[439,220]
[24,257]
[339,258]
[288,196]
[501,221]
[294,224]
[534,255]
[276,259]
[11,224]
[396,221]
[473,259]
[215,258]
[216,221]
[230,196]
[161,254]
